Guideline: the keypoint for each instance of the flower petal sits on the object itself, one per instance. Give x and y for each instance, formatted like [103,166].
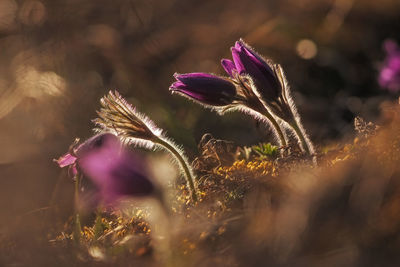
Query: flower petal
[178,85]
[249,62]
[206,88]
[228,66]
[65,160]
[237,60]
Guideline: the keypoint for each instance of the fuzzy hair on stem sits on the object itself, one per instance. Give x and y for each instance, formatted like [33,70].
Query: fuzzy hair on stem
[250,103]
[298,128]
[240,105]
[120,118]
[260,117]
[291,116]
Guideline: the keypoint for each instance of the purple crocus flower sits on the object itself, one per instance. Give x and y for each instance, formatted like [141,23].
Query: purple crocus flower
[116,171]
[389,76]
[205,88]
[246,61]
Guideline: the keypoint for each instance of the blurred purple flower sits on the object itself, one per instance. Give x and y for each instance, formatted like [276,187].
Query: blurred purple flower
[205,88]
[246,61]
[114,170]
[389,76]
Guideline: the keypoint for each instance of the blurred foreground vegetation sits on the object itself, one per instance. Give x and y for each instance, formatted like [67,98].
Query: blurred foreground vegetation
[59,57]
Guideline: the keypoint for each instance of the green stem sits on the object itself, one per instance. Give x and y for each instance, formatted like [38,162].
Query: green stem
[78,228]
[301,136]
[184,165]
[277,127]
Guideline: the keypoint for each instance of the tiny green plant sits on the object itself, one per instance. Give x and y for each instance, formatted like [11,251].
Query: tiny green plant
[266,151]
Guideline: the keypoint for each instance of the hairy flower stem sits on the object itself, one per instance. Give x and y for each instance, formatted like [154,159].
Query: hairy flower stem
[300,135]
[77,227]
[277,127]
[305,142]
[253,102]
[184,164]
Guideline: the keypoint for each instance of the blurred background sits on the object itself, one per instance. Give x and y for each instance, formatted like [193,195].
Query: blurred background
[57,58]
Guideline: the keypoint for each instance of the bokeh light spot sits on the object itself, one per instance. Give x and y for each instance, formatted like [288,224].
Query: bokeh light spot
[306,49]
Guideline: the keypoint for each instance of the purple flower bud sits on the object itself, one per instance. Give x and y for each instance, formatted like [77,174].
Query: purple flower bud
[389,76]
[205,88]
[114,170]
[246,61]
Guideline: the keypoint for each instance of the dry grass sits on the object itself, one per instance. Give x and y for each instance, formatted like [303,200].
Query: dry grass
[261,212]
